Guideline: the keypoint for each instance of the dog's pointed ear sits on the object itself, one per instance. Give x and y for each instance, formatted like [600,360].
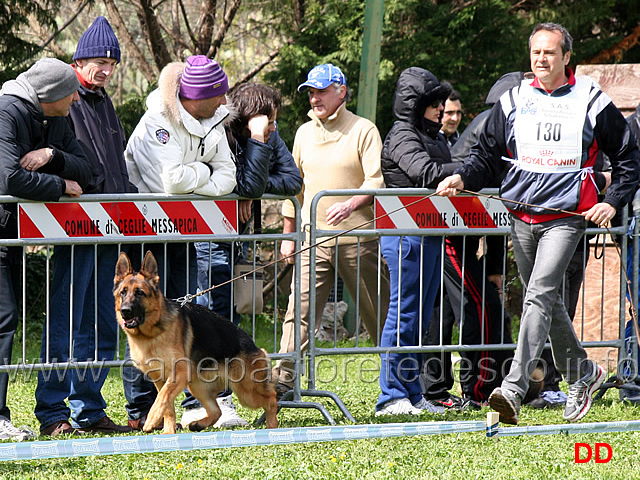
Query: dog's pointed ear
[150,268]
[123,268]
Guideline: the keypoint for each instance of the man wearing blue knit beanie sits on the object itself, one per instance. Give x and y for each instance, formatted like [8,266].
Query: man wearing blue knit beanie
[102,138]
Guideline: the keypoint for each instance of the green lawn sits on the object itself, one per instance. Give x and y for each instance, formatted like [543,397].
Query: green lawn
[449,456]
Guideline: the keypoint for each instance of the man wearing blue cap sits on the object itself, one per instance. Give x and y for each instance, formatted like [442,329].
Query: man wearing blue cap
[336,149]
[102,138]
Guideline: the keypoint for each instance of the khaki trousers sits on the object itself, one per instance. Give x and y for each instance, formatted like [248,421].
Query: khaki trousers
[366,280]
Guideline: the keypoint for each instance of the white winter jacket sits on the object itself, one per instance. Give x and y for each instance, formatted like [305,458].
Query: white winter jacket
[169,150]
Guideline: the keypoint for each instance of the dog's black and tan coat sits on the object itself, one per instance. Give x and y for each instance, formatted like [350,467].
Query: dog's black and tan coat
[188,346]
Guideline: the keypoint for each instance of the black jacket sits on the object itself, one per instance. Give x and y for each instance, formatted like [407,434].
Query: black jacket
[24,128]
[415,153]
[100,133]
[634,124]
[605,131]
[264,167]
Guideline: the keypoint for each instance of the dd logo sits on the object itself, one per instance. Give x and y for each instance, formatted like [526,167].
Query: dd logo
[589,452]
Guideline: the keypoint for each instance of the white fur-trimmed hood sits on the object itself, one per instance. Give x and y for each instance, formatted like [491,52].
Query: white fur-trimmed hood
[168,87]
[166,101]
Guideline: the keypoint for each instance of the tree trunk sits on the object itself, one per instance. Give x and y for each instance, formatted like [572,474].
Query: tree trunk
[153,33]
[617,51]
[224,28]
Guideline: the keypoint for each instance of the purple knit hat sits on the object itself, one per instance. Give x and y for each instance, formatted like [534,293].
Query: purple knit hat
[202,78]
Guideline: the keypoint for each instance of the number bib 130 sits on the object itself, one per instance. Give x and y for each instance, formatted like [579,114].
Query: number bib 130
[548,129]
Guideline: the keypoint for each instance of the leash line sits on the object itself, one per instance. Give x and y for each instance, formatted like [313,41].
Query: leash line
[187,298]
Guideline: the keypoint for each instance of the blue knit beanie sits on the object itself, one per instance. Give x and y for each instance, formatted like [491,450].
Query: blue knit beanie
[98,41]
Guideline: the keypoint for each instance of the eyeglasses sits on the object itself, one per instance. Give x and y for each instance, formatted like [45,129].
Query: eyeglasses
[436,104]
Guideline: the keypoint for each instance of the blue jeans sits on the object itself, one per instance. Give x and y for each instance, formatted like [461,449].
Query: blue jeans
[543,252]
[81,387]
[414,280]
[180,277]
[9,288]
[214,268]
[630,369]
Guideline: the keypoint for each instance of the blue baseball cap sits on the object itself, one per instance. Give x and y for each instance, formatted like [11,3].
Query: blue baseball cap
[322,76]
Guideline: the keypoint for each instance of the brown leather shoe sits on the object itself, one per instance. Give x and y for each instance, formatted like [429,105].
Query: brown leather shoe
[105,425]
[59,428]
[139,423]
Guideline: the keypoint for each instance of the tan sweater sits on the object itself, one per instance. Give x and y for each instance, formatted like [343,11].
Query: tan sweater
[342,153]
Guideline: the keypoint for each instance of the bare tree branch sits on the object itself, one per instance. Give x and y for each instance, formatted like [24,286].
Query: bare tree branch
[204,26]
[192,37]
[298,13]
[224,28]
[617,51]
[258,68]
[123,33]
[43,34]
[178,44]
[175,28]
[149,23]
[67,23]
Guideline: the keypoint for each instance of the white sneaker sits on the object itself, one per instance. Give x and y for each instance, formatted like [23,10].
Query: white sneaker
[400,406]
[229,417]
[192,415]
[9,432]
[429,406]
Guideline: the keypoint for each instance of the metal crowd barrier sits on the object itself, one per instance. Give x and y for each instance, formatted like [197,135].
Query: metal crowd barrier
[132,220]
[96,223]
[436,216]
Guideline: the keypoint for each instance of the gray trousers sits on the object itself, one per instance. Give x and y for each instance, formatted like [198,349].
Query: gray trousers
[542,253]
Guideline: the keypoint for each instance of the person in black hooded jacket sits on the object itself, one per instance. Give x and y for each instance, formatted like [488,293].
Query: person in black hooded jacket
[414,155]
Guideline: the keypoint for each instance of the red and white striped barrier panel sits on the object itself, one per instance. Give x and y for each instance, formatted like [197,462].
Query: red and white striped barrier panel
[410,212]
[127,219]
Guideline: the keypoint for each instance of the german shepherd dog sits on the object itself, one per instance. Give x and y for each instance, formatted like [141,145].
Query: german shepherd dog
[178,346]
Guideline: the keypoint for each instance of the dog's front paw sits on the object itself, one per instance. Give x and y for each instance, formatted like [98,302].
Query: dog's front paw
[151,423]
[197,426]
[169,429]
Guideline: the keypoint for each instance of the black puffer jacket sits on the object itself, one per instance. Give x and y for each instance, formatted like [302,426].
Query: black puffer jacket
[634,124]
[414,153]
[24,128]
[264,167]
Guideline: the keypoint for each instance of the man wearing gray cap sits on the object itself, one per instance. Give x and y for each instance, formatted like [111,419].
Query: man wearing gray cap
[40,159]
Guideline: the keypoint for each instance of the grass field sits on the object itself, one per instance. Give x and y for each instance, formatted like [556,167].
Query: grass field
[449,456]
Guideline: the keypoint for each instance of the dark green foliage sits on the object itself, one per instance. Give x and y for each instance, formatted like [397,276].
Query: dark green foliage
[15,51]
[470,44]
[130,113]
